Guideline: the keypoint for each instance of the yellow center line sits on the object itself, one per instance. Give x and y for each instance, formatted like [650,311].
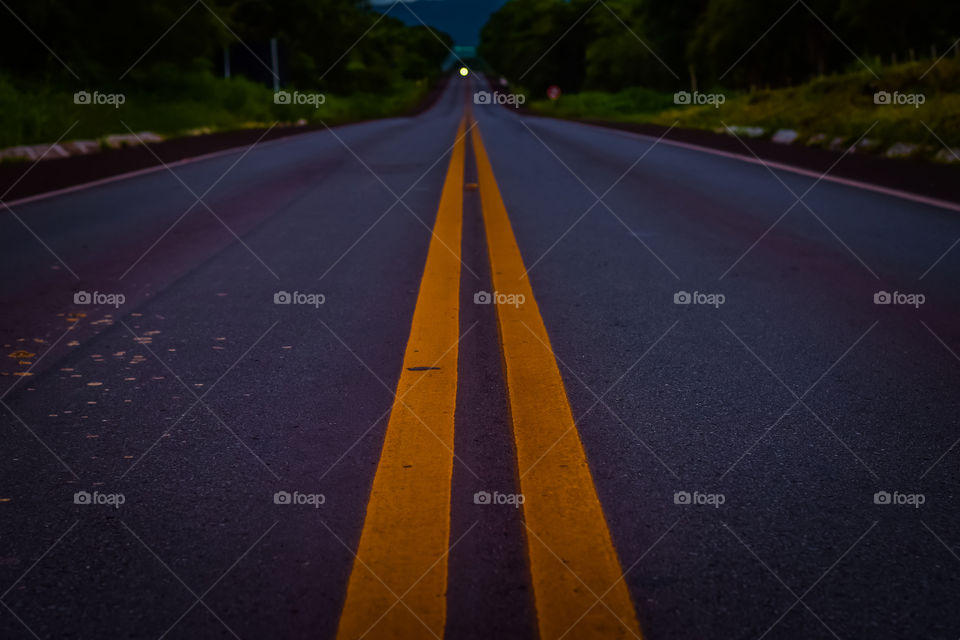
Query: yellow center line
[574,567]
[405,538]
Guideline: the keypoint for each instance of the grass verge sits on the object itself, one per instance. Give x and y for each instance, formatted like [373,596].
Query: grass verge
[175,104]
[836,107]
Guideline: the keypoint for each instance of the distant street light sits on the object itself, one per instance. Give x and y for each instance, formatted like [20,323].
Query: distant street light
[464,71]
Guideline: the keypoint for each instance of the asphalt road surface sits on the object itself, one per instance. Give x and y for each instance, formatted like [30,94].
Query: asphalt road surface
[473,374]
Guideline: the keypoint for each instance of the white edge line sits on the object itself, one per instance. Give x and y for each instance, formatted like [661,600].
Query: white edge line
[160,167]
[905,195]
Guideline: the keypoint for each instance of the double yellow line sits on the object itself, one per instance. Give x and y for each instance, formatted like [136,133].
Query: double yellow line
[397,587]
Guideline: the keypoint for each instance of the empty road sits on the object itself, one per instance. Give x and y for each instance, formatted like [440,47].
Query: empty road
[479,374]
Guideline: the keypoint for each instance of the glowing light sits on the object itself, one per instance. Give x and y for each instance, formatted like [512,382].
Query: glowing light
[464,71]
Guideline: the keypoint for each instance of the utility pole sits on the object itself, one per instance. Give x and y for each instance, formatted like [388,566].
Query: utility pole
[275,64]
[226,62]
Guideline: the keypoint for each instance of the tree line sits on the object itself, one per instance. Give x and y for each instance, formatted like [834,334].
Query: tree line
[671,44]
[327,45]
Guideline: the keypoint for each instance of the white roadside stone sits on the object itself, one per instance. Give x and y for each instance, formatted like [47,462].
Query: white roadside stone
[950,156]
[838,144]
[785,136]
[120,140]
[902,150]
[750,132]
[81,147]
[17,153]
[150,136]
[33,152]
[47,151]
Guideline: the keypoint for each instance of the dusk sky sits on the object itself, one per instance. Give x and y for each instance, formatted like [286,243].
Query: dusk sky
[462,19]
